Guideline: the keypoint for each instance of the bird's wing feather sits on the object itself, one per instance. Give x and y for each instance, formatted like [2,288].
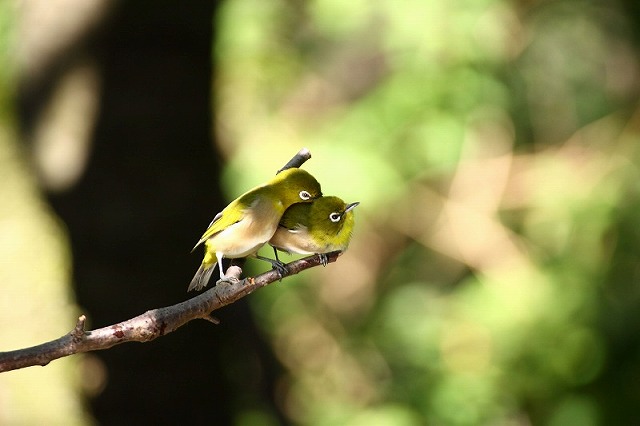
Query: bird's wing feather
[216,217]
[296,214]
[291,225]
[233,213]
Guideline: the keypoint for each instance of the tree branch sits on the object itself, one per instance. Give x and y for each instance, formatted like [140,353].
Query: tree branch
[297,160]
[158,322]
[154,323]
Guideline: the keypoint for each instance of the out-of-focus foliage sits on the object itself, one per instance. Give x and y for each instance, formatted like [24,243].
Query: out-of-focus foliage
[493,145]
[34,272]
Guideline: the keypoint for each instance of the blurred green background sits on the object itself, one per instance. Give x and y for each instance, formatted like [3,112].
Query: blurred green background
[493,276]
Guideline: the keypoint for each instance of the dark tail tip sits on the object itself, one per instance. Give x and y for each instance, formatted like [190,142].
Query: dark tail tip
[201,278]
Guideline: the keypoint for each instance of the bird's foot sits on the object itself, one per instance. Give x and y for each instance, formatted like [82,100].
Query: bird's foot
[277,265]
[324,259]
[281,269]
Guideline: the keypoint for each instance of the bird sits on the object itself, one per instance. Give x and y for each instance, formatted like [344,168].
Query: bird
[319,227]
[249,221]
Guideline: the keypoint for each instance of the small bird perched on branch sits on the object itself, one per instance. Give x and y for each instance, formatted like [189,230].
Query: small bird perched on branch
[319,227]
[249,221]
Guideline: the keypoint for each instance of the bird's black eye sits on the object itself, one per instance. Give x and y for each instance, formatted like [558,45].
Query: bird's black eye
[334,217]
[305,195]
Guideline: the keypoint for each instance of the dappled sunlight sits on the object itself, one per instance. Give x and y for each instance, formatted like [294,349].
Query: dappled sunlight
[466,348]
[37,301]
[62,139]
[492,277]
[492,148]
[350,288]
[305,346]
[47,28]
[35,267]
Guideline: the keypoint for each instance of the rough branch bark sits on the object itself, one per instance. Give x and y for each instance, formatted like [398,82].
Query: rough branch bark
[152,324]
[298,160]
[158,322]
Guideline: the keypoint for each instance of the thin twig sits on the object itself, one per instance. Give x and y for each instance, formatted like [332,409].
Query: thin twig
[157,322]
[154,323]
[298,160]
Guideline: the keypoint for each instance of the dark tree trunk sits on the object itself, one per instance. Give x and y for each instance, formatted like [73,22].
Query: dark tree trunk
[149,191]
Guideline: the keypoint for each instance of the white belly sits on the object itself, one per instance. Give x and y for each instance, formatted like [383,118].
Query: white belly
[294,242]
[245,237]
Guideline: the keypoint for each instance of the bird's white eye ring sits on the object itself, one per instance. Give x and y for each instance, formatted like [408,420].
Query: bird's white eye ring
[305,195]
[334,217]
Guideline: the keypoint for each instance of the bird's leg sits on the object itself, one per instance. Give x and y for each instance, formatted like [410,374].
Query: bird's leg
[223,277]
[324,259]
[280,267]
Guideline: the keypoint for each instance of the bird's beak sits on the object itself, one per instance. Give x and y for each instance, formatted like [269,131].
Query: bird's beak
[351,206]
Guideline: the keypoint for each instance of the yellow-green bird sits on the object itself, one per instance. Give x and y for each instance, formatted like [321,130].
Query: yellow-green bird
[320,227]
[249,221]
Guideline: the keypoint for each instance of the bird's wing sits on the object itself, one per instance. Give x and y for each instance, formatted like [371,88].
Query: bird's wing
[294,218]
[215,218]
[233,213]
[292,225]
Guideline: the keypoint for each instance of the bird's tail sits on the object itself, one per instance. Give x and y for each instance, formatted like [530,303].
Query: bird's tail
[203,274]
